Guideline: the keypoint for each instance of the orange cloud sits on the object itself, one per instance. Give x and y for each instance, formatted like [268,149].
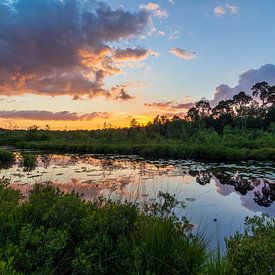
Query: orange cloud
[155,9]
[64,57]
[182,53]
[170,105]
[48,116]
[131,54]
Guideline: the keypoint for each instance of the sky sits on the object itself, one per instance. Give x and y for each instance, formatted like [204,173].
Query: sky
[85,64]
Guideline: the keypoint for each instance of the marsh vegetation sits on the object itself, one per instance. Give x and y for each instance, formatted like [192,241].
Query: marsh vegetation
[57,233]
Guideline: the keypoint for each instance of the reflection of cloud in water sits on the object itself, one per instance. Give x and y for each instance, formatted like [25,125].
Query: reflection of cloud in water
[248,202]
[224,190]
[256,195]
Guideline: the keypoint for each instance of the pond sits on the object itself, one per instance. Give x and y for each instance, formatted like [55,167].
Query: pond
[214,197]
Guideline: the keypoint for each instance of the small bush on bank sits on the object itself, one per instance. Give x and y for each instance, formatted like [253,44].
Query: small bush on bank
[254,251]
[6,157]
[28,161]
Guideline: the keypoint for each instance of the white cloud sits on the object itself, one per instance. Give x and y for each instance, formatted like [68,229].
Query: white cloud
[233,9]
[222,10]
[172,2]
[219,11]
[155,9]
[182,53]
[152,32]
[174,35]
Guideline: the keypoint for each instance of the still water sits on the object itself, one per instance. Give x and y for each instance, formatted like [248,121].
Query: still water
[216,197]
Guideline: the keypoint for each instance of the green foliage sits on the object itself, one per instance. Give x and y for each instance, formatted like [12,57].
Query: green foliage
[217,265]
[6,158]
[28,161]
[57,233]
[254,251]
[176,139]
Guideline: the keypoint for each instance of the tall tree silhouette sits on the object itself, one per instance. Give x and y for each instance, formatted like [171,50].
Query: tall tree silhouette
[262,90]
[203,108]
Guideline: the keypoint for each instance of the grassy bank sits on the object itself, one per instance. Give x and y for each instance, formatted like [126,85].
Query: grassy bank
[176,139]
[214,152]
[56,233]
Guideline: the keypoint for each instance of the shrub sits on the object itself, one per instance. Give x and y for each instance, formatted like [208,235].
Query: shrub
[6,158]
[254,251]
[28,161]
[53,232]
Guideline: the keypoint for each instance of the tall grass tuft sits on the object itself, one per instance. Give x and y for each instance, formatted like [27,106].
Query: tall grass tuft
[6,158]
[28,161]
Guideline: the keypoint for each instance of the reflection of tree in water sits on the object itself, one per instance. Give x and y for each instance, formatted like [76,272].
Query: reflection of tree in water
[263,196]
[110,164]
[202,177]
[240,185]
[266,196]
[46,160]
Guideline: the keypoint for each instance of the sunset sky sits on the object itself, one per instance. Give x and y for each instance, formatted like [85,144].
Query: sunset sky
[78,64]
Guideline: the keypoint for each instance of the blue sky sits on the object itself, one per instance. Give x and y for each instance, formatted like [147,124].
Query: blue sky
[225,45]
[176,53]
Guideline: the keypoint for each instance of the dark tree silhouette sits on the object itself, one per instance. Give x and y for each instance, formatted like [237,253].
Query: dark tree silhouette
[261,90]
[203,108]
[224,107]
[241,103]
[193,114]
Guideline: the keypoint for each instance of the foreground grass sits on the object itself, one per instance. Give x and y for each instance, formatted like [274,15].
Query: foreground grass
[59,233]
[56,233]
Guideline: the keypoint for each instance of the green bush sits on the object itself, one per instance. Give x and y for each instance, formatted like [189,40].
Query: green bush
[57,233]
[28,161]
[254,251]
[53,232]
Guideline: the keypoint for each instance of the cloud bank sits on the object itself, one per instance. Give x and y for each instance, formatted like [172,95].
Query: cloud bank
[155,9]
[245,83]
[63,47]
[47,115]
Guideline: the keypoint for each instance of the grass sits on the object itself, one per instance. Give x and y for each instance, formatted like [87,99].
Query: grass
[232,144]
[57,233]
[161,150]
[6,157]
[28,161]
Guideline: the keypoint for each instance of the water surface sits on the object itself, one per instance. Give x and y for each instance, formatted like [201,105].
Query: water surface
[217,197]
